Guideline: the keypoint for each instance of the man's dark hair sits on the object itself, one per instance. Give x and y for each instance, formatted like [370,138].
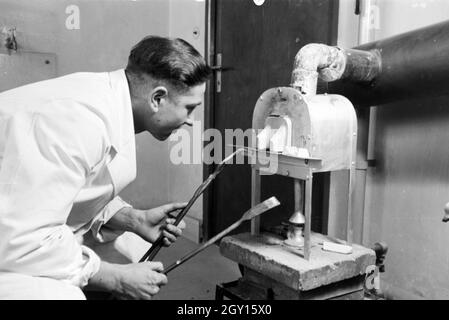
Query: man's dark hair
[171,60]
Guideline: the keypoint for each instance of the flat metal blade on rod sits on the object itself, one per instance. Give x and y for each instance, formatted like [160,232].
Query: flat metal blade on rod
[248,215]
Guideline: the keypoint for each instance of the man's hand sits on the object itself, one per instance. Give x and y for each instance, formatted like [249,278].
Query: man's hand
[159,220]
[140,281]
[137,281]
[150,224]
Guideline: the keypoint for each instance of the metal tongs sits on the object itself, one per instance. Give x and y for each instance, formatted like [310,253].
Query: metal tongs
[157,245]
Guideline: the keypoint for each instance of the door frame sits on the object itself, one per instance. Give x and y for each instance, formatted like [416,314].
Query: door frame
[209,106]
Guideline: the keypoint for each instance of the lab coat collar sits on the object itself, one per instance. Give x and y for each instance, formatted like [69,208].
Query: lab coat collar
[123,124]
[122,168]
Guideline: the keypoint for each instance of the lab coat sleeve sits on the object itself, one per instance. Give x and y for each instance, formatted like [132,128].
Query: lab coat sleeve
[44,163]
[100,231]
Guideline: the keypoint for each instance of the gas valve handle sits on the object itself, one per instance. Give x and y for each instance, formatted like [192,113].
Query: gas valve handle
[446,213]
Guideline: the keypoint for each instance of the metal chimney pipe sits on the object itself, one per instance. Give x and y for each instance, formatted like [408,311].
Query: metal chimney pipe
[413,65]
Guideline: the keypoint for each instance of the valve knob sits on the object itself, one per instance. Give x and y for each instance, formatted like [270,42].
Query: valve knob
[446,213]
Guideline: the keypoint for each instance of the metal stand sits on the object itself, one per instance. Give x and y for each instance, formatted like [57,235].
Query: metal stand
[301,170]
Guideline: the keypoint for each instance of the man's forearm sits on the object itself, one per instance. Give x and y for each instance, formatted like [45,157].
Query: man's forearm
[106,279]
[124,220]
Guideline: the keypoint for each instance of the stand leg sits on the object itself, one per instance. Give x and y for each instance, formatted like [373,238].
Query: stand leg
[308,215]
[255,199]
[349,236]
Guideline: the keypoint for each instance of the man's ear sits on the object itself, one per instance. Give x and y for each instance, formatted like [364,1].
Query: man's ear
[157,98]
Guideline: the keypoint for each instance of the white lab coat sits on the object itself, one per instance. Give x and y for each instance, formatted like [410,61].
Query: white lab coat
[67,148]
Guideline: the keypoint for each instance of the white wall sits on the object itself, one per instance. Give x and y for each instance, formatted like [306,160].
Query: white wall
[347,24]
[407,190]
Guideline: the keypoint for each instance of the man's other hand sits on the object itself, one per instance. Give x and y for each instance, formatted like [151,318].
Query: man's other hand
[153,222]
[150,224]
[136,281]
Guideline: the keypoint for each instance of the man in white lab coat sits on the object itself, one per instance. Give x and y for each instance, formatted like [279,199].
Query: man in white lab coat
[67,149]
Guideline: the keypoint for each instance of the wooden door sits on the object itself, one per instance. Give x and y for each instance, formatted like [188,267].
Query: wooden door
[258,45]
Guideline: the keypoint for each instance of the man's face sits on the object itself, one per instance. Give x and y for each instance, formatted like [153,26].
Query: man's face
[177,110]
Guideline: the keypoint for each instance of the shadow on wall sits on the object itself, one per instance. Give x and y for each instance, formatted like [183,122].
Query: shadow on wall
[413,137]
[407,194]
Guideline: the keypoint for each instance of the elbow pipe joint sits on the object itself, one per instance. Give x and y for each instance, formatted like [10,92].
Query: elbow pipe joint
[329,63]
